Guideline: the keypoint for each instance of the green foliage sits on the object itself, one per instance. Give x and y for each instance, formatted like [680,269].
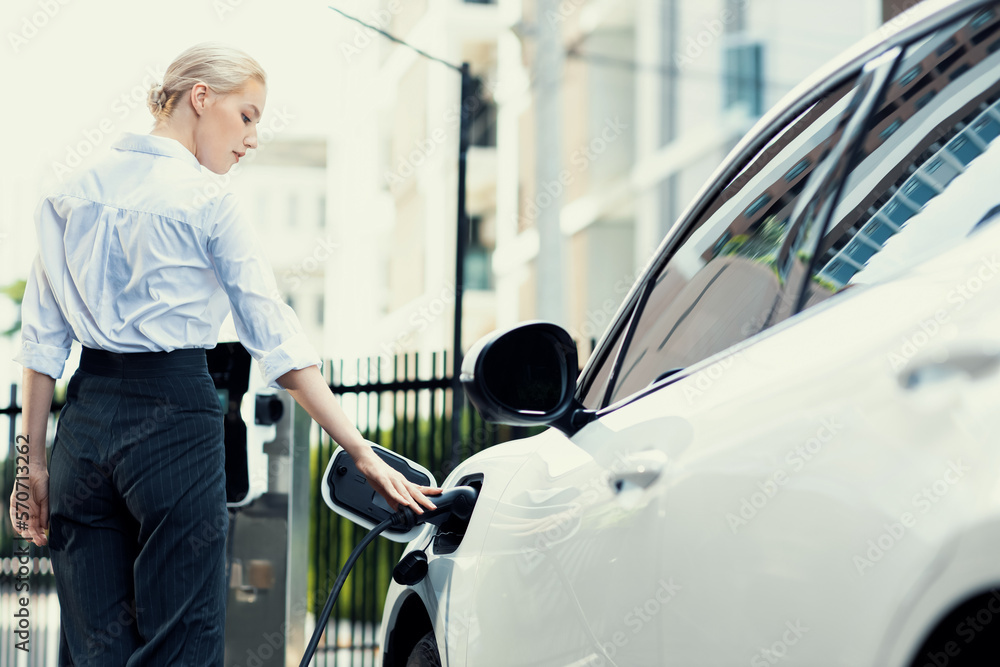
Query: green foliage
[826,284]
[15,291]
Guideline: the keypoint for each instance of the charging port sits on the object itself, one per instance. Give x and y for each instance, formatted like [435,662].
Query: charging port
[452,530]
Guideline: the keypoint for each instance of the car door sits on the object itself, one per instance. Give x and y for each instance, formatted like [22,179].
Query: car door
[576,543]
[835,459]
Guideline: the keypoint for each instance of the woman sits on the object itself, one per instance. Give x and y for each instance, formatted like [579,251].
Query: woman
[137,264]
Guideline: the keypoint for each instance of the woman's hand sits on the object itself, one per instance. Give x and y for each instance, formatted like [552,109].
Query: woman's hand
[30,517]
[391,485]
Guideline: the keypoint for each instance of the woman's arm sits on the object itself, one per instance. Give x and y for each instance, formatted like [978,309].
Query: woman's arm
[309,390]
[34,479]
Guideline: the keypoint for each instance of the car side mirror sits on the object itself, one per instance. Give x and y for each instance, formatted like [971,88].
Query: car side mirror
[524,376]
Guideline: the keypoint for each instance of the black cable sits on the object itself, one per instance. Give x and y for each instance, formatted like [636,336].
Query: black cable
[337,585]
[455,67]
[458,501]
[404,518]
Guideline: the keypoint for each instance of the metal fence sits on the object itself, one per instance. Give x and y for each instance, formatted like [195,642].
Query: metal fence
[405,403]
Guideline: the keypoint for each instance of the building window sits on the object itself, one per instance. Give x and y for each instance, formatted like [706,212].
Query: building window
[947,46]
[320,305]
[887,132]
[760,203]
[478,258]
[483,126]
[908,78]
[795,171]
[744,76]
[982,18]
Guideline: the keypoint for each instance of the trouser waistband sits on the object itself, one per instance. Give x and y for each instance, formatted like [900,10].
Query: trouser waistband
[132,365]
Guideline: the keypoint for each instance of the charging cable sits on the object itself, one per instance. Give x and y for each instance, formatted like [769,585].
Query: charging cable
[458,501]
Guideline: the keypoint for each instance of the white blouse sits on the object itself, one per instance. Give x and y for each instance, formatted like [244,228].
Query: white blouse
[139,253]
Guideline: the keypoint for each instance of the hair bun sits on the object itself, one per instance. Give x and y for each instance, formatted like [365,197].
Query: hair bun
[156,100]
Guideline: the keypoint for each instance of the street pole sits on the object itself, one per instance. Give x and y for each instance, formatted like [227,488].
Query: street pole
[469,99]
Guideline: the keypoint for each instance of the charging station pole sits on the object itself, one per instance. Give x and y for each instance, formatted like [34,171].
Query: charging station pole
[267,548]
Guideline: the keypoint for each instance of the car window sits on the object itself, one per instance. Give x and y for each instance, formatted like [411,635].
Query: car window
[741,268]
[914,187]
[925,173]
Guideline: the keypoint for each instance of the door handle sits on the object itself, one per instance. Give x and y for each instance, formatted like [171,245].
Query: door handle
[973,363]
[639,469]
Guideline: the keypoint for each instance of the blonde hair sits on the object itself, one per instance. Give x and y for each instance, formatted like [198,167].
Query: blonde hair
[222,68]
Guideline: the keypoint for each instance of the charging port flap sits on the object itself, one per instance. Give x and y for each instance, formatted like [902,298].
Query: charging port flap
[347,492]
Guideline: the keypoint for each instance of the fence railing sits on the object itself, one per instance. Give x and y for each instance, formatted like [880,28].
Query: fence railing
[405,403]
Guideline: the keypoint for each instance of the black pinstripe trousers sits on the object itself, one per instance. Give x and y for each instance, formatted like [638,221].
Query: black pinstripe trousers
[137,507]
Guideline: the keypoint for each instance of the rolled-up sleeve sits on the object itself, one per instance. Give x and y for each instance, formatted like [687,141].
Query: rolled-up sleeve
[45,335]
[268,328]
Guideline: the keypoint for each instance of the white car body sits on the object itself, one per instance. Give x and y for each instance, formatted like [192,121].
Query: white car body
[821,493]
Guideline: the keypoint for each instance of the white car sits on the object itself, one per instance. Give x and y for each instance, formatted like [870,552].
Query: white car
[786,446]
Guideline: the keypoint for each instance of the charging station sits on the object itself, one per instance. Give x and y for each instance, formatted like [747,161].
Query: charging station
[267,492]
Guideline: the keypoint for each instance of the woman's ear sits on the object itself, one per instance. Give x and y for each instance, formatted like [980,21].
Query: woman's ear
[199,97]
